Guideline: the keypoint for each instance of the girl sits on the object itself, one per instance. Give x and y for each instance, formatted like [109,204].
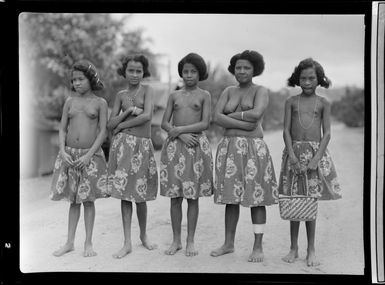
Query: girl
[244,172]
[80,171]
[186,159]
[305,147]
[132,171]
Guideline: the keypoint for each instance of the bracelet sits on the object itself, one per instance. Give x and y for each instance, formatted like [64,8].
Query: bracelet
[242,116]
[133,111]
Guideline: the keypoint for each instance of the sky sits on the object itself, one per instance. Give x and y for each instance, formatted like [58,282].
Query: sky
[335,41]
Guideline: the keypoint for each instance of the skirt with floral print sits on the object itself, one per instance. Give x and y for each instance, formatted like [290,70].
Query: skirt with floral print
[78,186]
[244,173]
[132,170]
[186,171]
[322,182]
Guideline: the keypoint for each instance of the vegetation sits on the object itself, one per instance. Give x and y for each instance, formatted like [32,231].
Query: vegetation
[350,109]
[51,42]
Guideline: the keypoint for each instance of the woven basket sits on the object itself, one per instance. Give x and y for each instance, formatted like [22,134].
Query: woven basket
[298,207]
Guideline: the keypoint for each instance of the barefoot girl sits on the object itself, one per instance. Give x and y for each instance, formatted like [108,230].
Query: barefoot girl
[186,159]
[132,171]
[305,150]
[244,172]
[80,172]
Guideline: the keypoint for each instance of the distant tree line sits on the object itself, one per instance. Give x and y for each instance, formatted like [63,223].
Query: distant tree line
[350,109]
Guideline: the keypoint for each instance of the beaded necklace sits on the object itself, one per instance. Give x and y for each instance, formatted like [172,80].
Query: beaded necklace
[299,114]
[132,98]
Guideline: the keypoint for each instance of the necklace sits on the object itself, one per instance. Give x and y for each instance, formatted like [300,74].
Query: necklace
[299,114]
[132,98]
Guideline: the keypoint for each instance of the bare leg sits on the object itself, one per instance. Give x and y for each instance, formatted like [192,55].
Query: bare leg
[126,208]
[231,220]
[176,223]
[192,218]
[293,253]
[89,220]
[141,211]
[258,216]
[310,231]
[73,219]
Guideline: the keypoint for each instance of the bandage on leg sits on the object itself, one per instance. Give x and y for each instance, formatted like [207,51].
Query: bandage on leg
[259,228]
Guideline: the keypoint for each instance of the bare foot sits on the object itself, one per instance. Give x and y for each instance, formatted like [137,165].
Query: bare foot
[311,259]
[126,249]
[190,249]
[64,249]
[88,250]
[291,256]
[147,244]
[222,250]
[175,246]
[256,255]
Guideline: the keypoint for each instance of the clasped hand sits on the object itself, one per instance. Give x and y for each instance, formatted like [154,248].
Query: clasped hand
[189,139]
[301,168]
[80,163]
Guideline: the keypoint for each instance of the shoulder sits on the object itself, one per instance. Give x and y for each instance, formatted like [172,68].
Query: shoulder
[102,102]
[121,92]
[229,89]
[176,93]
[68,101]
[147,88]
[259,89]
[204,93]
[324,101]
[291,99]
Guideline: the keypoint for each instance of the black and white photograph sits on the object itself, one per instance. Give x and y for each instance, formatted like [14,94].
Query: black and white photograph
[225,143]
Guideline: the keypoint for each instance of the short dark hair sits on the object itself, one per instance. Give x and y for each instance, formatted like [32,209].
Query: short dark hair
[309,63]
[89,71]
[134,57]
[197,61]
[255,58]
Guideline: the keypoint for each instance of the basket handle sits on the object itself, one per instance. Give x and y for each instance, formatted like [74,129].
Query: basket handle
[303,181]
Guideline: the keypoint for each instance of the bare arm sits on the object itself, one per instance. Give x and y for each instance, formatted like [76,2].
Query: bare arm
[287,135]
[261,101]
[225,121]
[115,117]
[63,132]
[145,116]
[326,135]
[166,125]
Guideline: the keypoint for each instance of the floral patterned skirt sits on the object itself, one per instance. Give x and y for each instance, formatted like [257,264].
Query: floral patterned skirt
[186,171]
[322,182]
[132,170]
[244,173]
[78,186]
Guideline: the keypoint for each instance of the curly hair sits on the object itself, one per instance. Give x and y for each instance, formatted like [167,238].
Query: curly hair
[137,58]
[255,58]
[90,72]
[197,61]
[309,63]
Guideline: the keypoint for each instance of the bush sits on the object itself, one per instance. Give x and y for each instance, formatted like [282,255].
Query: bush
[51,105]
[351,108]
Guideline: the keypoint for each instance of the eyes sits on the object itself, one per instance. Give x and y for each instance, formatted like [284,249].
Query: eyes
[240,67]
[132,71]
[78,78]
[188,71]
[310,78]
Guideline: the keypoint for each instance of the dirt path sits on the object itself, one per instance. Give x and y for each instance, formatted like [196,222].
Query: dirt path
[339,234]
